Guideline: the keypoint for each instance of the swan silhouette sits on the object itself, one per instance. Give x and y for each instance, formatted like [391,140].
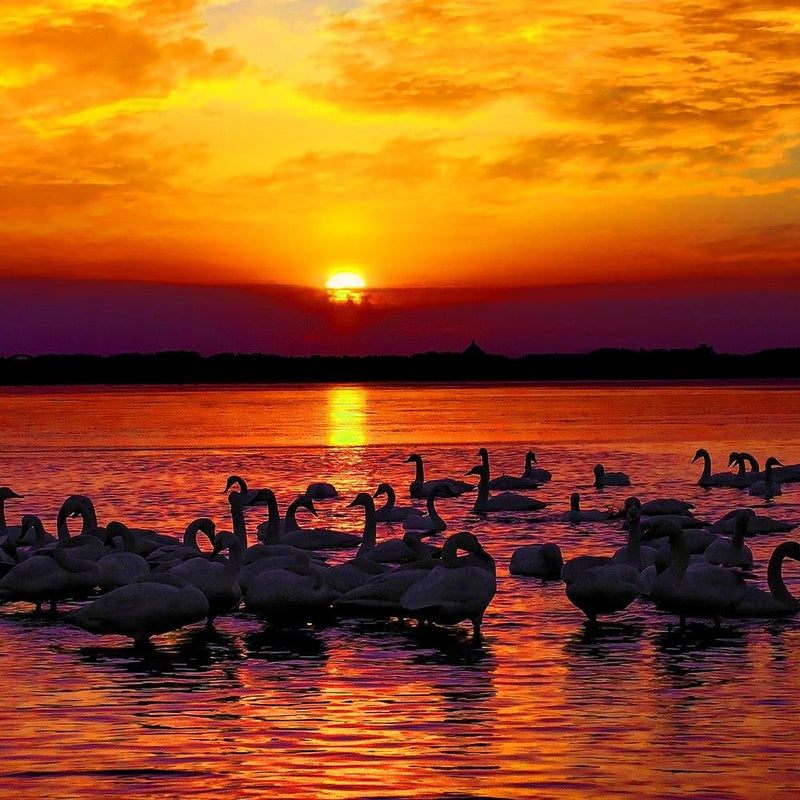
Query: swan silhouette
[603,589]
[634,553]
[702,590]
[733,553]
[390,512]
[121,567]
[603,478]
[778,601]
[743,477]
[537,560]
[321,491]
[756,523]
[314,538]
[575,515]
[420,488]
[769,487]
[149,606]
[6,493]
[169,556]
[507,501]
[460,588]
[666,506]
[505,482]
[250,497]
[430,523]
[709,479]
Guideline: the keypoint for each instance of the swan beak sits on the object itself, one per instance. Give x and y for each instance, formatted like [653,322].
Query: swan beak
[473,471]
[355,502]
[410,458]
[12,493]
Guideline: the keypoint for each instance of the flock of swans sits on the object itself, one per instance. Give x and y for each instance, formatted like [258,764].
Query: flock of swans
[139,583]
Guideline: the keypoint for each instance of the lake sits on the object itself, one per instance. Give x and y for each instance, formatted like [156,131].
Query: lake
[543,706]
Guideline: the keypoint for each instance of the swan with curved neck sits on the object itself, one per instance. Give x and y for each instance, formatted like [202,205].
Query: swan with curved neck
[704,590]
[707,478]
[460,588]
[603,478]
[250,497]
[507,501]
[165,557]
[733,553]
[778,601]
[314,538]
[420,488]
[430,523]
[120,567]
[6,493]
[745,477]
[151,605]
[635,554]
[769,487]
[390,512]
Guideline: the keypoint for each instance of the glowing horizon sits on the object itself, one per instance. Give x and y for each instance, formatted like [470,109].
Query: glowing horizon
[472,144]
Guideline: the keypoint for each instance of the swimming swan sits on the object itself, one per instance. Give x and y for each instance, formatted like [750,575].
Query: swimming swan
[575,515]
[430,523]
[778,601]
[420,488]
[505,482]
[461,587]
[769,487]
[603,478]
[708,479]
[733,552]
[507,501]
[390,512]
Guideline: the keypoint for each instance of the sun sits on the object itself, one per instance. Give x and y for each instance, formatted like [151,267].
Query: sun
[345,280]
[346,287]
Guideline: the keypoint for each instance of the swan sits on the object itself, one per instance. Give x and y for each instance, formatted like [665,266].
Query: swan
[49,577]
[420,488]
[603,478]
[321,491]
[250,497]
[536,474]
[430,523]
[390,512]
[6,493]
[291,594]
[603,588]
[507,501]
[575,515]
[576,565]
[733,553]
[539,560]
[667,506]
[635,554]
[32,537]
[778,601]
[168,556]
[769,487]
[122,567]
[151,605]
[505,482]
[314,538]
[702,590]
[346,576]
[461,587]
[744,477]
[216,580]
[707,479]
[756,524]
[380,596]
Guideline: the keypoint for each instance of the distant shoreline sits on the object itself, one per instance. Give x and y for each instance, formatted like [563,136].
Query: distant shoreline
[472,365]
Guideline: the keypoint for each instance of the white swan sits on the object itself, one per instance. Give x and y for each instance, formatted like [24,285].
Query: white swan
[709,479]
[769,487]
[507,501]
[704,590]
[733,553]
[391,512]
[575,515]
[50,577]
[149,606]
[168,556]
[420,488]
[537,560]
[430,523]
[218,581]
[461,587]
[380,596]
[743,477]
[603,478]
[778,601]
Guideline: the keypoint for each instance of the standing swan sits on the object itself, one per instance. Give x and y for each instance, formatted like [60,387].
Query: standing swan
[420,488]
[461,587]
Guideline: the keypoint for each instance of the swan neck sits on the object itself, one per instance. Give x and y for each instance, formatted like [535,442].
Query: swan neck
[235,557]
[706,465]
[431,507]
[237,523]
[3,524]
[777,586]
[391,498]
[483,488]
[419,475]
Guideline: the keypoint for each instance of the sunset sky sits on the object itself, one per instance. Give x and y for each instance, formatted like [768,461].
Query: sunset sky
[651,149]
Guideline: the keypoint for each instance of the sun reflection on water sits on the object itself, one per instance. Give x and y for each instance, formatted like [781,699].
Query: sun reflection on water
[347,416]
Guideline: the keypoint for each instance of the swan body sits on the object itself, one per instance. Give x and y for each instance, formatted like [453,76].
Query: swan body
[634,553]
[321,491]
[390,512]
[704,590]
[604,589]
[459,588]
[420,488]
[709,479]
[380,596]
[756,524]
[778,601]
[666,506]
[538,560]
[769,487]
[505,482]
[575,515]
[603,478]
[507,501]
[430,523]
[733,553]
[571,568]
[147,607]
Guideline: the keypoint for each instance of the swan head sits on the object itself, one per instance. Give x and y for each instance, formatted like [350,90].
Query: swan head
[772,462]
[733,458]
[235,480]
[383,488]
[668,528]
[262,497]
[701,453]
[224,540]
[6,493]
[633,515]
[599,470]
[416,457]
[575,502]
[307,503]
[362,499]
[632,501]
[30,522]
[478,469]
[530,457]
[743,516]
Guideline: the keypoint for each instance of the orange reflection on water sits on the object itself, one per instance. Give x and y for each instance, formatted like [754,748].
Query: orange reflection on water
[346,416]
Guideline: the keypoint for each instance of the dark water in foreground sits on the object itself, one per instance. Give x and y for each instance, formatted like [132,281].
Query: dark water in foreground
[542,707]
